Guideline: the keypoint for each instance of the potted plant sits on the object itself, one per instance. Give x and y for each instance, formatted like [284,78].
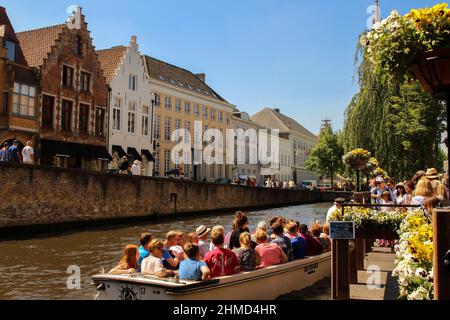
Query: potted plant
[357,159]
[371,165]
[415,45]
[378,172]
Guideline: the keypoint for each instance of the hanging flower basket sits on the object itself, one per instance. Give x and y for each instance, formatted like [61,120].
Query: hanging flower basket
[432,70]
[358,165]
[357,159]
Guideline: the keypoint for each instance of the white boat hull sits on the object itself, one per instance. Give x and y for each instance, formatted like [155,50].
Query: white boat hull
[264,284]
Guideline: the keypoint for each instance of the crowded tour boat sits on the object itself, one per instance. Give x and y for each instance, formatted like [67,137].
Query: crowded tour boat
[276,259]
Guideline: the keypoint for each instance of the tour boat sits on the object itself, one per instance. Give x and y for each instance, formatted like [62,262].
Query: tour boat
[262,284]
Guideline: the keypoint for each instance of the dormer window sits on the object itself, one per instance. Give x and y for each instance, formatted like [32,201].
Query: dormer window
[11,49]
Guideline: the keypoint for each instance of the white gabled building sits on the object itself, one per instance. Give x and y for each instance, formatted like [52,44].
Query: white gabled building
[131,107]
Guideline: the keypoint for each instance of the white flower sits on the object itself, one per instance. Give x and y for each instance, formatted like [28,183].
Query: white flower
[420,272]
[420,294]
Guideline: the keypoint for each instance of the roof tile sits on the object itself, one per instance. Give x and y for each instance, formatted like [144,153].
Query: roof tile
[110,59]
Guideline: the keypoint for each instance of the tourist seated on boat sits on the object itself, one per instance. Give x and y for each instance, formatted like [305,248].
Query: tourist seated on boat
[248,256]
[270,253]
[193,238]
[271,222]
[153,264]
[217,229]
[129,262]
[221,261]
[298,243]
[326,234]
[264,226]
[313,246]
[144,248]
[240,225]
[202,233]
[424,190]
[171,259]
[192,268]
[316,231]
[178,249]
[283,241]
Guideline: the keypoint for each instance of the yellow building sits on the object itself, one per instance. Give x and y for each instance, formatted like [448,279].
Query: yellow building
[180,99]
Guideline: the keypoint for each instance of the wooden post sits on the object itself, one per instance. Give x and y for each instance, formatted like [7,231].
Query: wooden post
[360,253]
[441,243]
[340,287]
[353,265]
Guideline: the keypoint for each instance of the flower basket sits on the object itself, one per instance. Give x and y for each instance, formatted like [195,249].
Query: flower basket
[358,165]
[357,159]
[432,70]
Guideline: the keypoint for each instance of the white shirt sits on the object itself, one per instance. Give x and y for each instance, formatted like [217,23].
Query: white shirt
[177,249]
[330,212]
[204,247]
[136,170]
[26,154]
[151,265]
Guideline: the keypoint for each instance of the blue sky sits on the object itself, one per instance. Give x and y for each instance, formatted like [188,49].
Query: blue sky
[296,55]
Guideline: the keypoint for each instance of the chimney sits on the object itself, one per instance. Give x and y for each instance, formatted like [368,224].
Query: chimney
[277,110]
[201,76]
[75,19]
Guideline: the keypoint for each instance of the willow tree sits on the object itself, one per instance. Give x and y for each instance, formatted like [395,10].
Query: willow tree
[399,123]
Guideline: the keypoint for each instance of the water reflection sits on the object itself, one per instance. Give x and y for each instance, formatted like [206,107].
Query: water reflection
[37,268]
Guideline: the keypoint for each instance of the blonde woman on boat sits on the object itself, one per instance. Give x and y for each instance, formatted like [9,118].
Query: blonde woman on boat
[153,265]
[129,262]
[424,190]
[248,257]
[270,253]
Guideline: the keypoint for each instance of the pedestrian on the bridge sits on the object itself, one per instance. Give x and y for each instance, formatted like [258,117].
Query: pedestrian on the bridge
[292,184]
[14,153]
[285,185]
[28,153]
[4,152]
[124,166]
[136,168]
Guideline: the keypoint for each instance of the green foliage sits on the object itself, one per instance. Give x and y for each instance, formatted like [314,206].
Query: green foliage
[326,157]
[399,123]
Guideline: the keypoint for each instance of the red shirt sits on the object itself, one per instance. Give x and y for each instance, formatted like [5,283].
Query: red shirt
[221,262]
[313,246]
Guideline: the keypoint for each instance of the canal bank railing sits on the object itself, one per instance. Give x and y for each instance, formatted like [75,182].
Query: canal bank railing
[346,262]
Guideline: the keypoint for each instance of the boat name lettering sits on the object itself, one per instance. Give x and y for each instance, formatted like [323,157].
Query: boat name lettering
[312,268]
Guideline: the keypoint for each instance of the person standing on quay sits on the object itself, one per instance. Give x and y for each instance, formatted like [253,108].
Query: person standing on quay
[14,153]
[292,184]
[28,153]
[4,152]
[124,166]
[136,168]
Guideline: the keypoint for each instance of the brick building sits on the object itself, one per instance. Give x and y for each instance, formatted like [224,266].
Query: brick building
[18,88]
[73,100]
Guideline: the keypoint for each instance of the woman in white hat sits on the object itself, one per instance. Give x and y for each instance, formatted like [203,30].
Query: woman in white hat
[203,234]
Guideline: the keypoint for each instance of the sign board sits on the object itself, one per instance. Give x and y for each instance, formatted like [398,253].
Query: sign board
[342,230]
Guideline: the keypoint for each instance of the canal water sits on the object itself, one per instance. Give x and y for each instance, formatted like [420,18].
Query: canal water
[38,268]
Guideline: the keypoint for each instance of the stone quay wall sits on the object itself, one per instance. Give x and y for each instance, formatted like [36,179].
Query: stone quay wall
[40,196]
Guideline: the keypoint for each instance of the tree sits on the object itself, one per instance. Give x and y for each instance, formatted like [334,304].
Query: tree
[326,157]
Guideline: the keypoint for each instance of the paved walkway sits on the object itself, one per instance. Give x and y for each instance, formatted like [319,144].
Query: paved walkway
[382,286]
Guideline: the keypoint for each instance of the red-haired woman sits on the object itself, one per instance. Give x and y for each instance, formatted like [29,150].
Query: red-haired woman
[240,225]
[129,262]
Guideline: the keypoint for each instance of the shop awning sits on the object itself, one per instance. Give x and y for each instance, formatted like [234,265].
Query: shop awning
[148,155]
[64,149]
[119,151]
[99,153]
[133,152]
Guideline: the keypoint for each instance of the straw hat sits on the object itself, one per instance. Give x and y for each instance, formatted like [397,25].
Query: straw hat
[432,174]
[202,230]
[400,185]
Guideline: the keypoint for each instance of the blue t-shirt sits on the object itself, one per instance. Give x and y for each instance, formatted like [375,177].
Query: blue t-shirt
[12,154]
[191,269]
[299,247]
[142,255]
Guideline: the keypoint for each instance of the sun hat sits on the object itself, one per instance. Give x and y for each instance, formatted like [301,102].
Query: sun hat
[339,201]
[379,179]
[386,193]
[202,230]
[400,185]
[432,174]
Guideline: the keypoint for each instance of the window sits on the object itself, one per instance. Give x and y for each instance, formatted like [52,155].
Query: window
[213,114]
[219,171]
[212,170]
[11,50]
[205,113]
[227,119]
[187,126]
[204,170]
[100,121]
[131,117]
[178,105]
[132,82]
[24,100]
[157,162]
[187,107]
[196,110]
[157,128]
[116,113]
[83,119]
[66,115]
[167,130]
[177,127]
[157,100]
[168,103]
[85,82]
[166,161]
[144,121]
[220,116]
[67,79]
[227,172]
[78,48]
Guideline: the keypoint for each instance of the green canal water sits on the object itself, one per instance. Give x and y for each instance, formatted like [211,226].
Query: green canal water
[37,268]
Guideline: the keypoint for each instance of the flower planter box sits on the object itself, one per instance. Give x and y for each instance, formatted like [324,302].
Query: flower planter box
[374,234]
[432,70]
